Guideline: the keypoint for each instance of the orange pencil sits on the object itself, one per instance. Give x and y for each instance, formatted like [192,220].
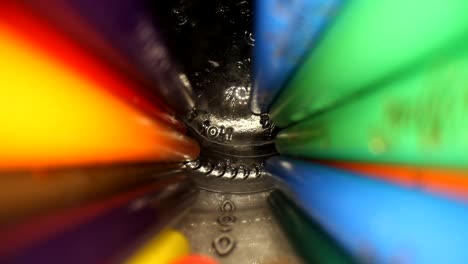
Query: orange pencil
[195,259]
[53,116]
[448,182]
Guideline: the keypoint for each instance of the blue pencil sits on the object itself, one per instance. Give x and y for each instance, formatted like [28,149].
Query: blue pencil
[378,222]
[284,32]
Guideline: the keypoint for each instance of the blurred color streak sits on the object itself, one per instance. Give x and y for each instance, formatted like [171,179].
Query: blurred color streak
[447,182]
[284,32]
[416,120]
[52,116]
[310,242]
[101,232]
[375,221]
[28,194]
[64,49]
[129,27]
[164,248]
[370,43]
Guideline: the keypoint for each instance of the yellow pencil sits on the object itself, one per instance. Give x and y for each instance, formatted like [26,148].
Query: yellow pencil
[164,248]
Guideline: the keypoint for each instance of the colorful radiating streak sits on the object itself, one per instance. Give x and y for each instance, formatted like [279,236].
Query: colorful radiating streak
[28,194]
[376,221]
[447,182]
[418,120]
[52,116]
[64,49]
[128,25]
[100,232]
[369,44]
[166,247]
[284,32]
[309,240]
